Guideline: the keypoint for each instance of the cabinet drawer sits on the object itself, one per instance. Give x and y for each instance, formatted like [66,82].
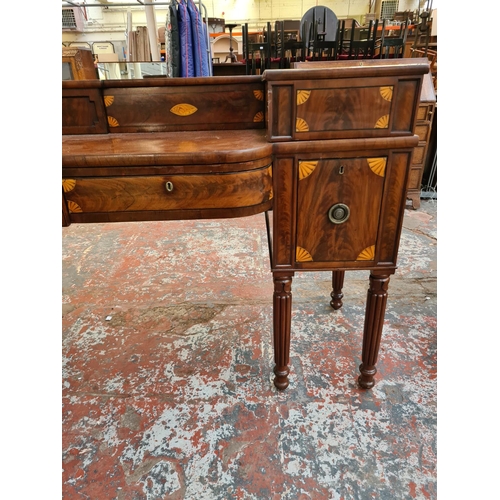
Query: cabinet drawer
[335,108]
[338,210]
[422,130]
[168,192]
[415,178]
[419,154]
[424,112]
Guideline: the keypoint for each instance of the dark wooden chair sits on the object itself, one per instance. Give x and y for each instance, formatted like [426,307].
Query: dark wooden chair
[345,37]
[364,47]
[324,50]
[257,55]
[295,49]
[393,46]
[278,43]
[327,50]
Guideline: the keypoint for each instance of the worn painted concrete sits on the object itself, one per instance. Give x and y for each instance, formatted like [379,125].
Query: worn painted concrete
[167,370]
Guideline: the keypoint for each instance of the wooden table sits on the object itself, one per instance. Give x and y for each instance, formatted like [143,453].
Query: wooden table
[324,150]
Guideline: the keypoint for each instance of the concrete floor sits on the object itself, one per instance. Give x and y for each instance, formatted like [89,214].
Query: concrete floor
[167,370]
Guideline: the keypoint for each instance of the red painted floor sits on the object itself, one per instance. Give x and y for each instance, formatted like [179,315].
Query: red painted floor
[167,370]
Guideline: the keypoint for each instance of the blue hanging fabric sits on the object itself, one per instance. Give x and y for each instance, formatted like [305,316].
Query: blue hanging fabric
[208,53]
[199,33]
[172,56]
[185,40]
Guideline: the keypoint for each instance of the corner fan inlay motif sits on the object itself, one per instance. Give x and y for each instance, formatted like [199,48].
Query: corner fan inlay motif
[301,125]
[68,185]
[302,255]
[377,165]
[108,100]
[367,254]
[386,93]
[259,117]
[259,95]
[302,96]
[382,122]
[113,122]
[74,207]
[183,109]
[306,168]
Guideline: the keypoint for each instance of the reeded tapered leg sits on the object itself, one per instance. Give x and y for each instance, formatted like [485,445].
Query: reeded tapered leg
[282,318]
[374,322]
[337,285]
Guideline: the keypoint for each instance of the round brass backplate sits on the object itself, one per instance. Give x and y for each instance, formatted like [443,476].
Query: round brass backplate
[339,213]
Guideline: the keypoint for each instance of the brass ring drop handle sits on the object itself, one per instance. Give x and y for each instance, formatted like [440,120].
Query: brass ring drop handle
[169,186]
[338,213]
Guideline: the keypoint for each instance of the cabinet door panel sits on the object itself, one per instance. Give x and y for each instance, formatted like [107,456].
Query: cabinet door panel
[355,186]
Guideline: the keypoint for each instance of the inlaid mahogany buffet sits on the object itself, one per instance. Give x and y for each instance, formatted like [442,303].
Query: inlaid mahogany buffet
[326,150]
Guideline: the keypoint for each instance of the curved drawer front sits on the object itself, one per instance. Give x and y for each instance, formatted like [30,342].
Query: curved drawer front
[168,192]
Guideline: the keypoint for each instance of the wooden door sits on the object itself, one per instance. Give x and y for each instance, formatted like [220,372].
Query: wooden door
[338,209]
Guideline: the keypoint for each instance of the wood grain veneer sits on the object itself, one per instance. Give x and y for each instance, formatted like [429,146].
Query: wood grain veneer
[311,144]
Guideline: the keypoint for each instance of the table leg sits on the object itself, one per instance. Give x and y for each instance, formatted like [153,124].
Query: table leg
[282,318]
[337,285]
[374,322]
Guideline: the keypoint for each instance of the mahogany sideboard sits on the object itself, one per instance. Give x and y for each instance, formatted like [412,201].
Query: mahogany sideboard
[324,152]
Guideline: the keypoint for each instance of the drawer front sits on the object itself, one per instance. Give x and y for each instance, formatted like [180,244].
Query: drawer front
[419,154]
[185,107]
[168,192]
[415,178]
[320,110]
[336,109]
[424,112]
[338,210]
[422,130]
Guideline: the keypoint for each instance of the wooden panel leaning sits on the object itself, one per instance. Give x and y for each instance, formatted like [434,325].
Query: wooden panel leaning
[327,146]
[78,64]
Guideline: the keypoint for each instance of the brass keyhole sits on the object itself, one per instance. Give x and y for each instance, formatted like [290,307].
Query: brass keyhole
[169,186]
[341,169]
[339,213]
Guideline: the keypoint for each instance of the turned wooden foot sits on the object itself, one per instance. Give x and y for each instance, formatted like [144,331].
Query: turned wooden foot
[337,285]
[374,322]
[282,317]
